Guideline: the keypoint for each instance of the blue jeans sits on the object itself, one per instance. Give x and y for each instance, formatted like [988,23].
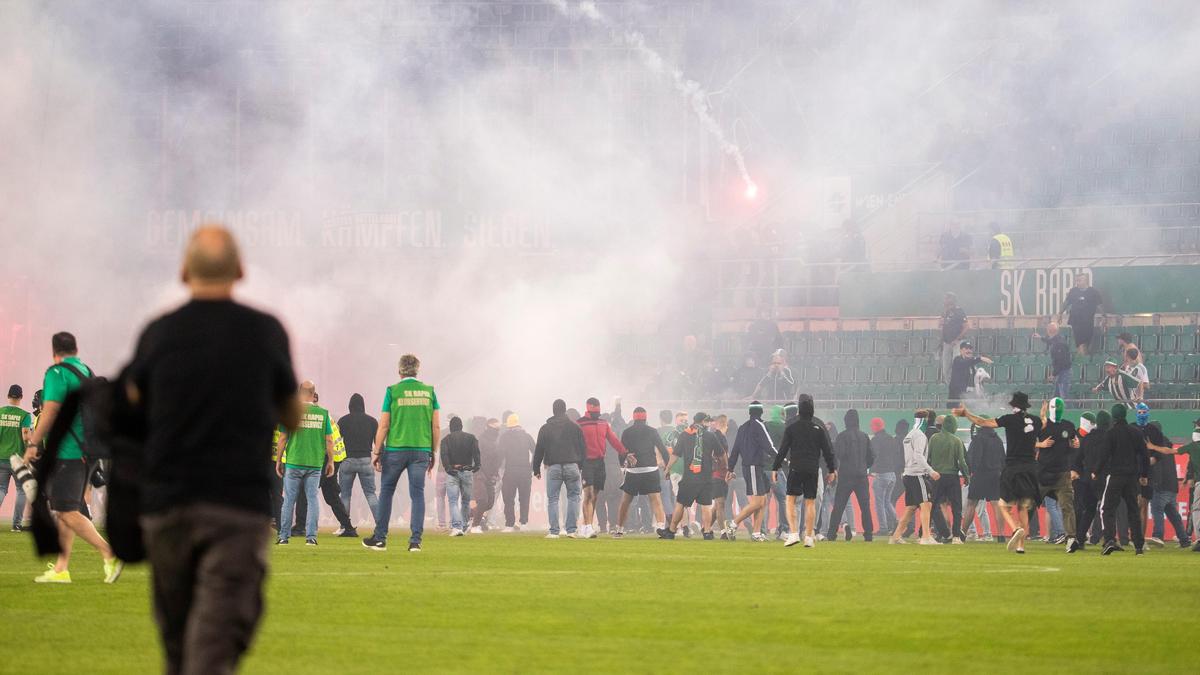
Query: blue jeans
[779,493]
[559,476]
[394,464]
[5,475]
[293,479]
[359,467]
[459,485]
[1056,521]
[885,508]
[440,496]
[1062,384]
[1165,504]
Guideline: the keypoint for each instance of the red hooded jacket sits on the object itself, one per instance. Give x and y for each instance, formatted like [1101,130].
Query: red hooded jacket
[596,434]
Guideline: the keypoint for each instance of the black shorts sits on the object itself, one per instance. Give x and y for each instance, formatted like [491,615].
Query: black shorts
[984,487]
[1146,491]
[593,473]
[637,484]
[1020,481]
[802,483]
[67,485]
[694,491]
[757,484]
[1083,333]
[917,490]
[720,488]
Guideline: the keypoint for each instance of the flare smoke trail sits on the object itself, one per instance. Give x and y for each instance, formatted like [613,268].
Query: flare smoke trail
[691,90]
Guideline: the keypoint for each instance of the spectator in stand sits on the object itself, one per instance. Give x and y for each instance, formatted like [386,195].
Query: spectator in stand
[1060,357]
[889,463]
[962,372]
[1080,307]
[954,327]
[778,384]
[746,379]
[1125,342]
[955,248]
[763,336]
[1134,366]
[1000,249]
[854,245]
[1122,386]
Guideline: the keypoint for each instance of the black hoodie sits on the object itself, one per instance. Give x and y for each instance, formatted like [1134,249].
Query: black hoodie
[1125,451]
[460,450]
[358,429]
[806,441]
[559,441]
[985,456]
[853,448]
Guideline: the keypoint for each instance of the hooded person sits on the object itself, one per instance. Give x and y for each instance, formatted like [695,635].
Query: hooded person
[1162,492]
[948,456]
[1125,468]
[755,448]
[1019,488]
[805,443]
[358,433]
[515,447]
[889,462]
[775,428]
[985,461]
[460,460]
[597,436]
[561,448]
[1057,445]
[1192,480]
[918,475]
[487,479]
[855,457]
[1089,486]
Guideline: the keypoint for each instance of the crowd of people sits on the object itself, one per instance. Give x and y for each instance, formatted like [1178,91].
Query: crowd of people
[216,472]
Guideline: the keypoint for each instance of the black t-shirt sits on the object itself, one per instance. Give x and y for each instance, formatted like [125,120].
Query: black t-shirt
[645,443]
[953,322]
[1083,304]
[1021,432]
[1057,458]
[962,373]
[213,377]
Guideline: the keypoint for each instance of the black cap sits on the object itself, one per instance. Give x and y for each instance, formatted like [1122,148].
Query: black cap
[16,391]
[965,345]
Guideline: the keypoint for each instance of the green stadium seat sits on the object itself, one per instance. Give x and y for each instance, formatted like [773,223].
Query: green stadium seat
[985,344]
[895,373]
[1004,345]
[1150,342]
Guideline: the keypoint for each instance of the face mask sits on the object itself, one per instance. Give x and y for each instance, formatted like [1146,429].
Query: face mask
[1086,425]
[1143,418]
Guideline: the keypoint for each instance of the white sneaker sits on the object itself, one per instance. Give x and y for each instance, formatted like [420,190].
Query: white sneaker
[898,541]
[338,532]
[516,528]
[758,537]
[820,537]
[477,530]
[1155,542]
[1015,540]
[573,535]
[792,540]
[808,542]
[507,529]
[456,533]
[929,541]
[552,536]
[957,540]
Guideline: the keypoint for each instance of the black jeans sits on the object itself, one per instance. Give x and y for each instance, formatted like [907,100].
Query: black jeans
[1117,488]
[208,563]
[948,489]
[510,487]
[1087,500]
[860,487]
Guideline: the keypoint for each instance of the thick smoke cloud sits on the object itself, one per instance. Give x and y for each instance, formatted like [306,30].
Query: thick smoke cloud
[445,178]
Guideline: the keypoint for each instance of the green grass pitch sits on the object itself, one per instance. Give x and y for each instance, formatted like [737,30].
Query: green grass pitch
[517,603]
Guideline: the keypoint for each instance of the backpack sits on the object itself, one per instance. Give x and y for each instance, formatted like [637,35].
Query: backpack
[92,400]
